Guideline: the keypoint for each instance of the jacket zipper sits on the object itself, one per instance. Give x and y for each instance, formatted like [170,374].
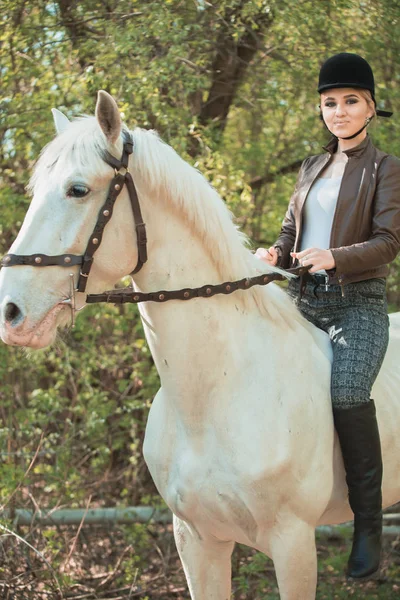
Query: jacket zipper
[340,278]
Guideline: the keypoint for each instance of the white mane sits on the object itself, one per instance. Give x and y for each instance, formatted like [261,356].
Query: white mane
[165,173]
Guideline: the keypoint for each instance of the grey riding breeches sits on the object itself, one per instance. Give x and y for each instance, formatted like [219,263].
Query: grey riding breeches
[358,327]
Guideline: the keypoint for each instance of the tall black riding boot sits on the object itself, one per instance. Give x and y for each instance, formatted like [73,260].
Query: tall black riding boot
[358,433]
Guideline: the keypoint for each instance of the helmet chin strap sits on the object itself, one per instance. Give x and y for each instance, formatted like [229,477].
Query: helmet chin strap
[350,137]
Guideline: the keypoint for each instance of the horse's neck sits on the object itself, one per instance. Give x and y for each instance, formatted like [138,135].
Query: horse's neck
[205,346]
[183,336]
[177,257]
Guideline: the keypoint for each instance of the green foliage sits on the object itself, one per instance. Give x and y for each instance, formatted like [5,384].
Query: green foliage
[249,580]
[72,418]
[139,537]
[81,405]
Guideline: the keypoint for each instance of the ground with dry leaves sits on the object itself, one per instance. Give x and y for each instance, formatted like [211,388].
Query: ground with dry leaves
[140,561]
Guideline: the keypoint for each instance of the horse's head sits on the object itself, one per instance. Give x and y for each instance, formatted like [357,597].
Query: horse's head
[70,186]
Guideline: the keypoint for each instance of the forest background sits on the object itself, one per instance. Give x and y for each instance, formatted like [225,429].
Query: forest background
[231,85]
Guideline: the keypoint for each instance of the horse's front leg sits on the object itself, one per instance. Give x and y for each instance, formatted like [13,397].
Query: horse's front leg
[207,563]
[292,548]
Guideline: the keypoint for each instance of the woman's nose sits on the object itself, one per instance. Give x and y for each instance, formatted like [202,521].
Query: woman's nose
[340,109]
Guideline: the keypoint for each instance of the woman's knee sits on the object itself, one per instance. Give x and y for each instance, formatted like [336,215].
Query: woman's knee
[348,398]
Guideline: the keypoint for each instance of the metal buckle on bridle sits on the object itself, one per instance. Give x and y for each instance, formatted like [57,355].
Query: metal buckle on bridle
[71,301]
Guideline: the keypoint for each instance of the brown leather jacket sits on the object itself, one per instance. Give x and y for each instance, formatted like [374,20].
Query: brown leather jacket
[365,233]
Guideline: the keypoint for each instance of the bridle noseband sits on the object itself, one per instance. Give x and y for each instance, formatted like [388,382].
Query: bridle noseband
[122,177]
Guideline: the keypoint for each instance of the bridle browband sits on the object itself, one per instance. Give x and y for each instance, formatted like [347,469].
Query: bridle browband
[123,177]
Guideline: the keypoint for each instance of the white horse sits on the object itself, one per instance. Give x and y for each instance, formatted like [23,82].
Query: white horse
[240,439]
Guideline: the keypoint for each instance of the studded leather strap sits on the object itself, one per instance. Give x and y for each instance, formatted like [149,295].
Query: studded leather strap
[95,239]
[41,260]
[106,211]
[125,295]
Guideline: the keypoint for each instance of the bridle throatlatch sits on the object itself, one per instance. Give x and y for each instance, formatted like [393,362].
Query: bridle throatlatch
[122,177]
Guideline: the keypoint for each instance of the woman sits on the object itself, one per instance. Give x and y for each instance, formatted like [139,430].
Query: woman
[343,221]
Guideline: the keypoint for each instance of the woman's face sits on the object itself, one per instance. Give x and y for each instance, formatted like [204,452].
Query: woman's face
[344,111]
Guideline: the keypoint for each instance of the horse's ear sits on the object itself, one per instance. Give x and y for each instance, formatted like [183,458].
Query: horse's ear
[61,122]
[108,116]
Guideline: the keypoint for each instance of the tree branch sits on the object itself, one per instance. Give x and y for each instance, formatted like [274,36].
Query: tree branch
[259,182]
[231,61]
[76,28]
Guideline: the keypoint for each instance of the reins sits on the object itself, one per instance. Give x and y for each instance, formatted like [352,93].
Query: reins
[119,296]
[124,295]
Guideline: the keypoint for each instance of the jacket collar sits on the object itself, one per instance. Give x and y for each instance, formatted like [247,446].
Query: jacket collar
[356,151]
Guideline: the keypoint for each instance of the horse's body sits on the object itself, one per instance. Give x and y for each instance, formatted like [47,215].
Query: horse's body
[240,439]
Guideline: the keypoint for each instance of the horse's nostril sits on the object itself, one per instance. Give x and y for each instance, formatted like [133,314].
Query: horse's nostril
[12,313]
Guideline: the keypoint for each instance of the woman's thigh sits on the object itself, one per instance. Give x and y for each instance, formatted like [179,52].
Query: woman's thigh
[359,338]
[358,327]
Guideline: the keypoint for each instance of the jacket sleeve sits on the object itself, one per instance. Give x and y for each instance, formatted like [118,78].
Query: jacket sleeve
[287,237]
[384,243]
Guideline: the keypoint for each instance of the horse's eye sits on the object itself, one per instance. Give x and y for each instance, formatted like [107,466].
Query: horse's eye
[78,191]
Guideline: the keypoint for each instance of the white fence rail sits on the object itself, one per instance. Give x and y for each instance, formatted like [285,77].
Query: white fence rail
[144,514]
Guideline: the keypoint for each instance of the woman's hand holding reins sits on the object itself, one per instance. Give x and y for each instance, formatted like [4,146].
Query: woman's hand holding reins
[319,259]
[269,256]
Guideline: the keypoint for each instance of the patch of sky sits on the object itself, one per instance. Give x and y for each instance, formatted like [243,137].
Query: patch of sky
[8,143]
[51,8]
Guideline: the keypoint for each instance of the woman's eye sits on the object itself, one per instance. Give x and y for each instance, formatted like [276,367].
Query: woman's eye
[329,104]
[352,101]
[78,191]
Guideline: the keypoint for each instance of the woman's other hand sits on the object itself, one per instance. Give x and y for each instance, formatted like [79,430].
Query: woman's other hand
[269,256]
[319,259]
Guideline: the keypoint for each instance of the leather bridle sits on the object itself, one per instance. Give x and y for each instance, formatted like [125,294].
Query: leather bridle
[123,177]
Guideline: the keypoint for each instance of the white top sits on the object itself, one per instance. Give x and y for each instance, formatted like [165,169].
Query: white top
[318,213]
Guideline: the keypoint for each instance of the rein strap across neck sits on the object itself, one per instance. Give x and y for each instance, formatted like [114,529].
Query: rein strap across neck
[124,295]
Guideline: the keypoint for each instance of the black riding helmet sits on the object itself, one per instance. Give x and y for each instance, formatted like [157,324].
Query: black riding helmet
[347,70]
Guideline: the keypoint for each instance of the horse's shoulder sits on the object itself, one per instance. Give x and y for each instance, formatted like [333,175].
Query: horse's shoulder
[394,319]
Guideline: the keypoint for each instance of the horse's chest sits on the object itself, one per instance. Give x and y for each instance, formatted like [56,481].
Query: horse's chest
[210,499]
[205,481]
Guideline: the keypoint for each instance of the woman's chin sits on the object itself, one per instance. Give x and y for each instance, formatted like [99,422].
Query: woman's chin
[344,131]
